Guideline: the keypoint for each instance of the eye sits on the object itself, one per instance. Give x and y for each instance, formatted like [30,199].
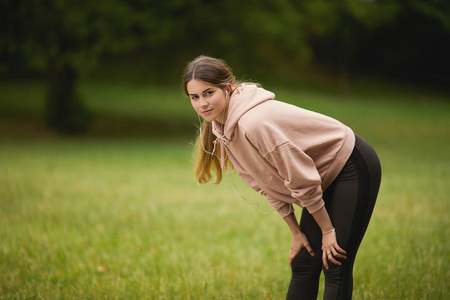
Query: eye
[208,93]
[194,97]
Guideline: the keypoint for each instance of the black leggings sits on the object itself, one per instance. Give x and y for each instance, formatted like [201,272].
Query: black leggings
[349,200]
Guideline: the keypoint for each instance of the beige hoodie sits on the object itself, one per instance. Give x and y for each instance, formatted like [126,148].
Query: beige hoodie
[284,152]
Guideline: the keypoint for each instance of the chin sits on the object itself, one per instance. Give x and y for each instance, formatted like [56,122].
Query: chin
[209,118]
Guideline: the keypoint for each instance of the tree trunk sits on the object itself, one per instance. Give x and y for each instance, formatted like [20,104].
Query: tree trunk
[64,110]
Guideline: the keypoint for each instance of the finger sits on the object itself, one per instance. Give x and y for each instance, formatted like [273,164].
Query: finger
[294,253]
[339,255]
[333,260]
[340,249]
[339,252]
[291,258]
[329,257]
[310,249]
[291,261]
[325,260]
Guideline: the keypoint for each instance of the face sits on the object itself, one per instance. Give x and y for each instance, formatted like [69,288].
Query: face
[208,100]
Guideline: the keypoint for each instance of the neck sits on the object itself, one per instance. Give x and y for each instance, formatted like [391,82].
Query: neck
[222,119]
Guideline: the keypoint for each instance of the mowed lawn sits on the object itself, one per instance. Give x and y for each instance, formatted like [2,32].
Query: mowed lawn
[117,214]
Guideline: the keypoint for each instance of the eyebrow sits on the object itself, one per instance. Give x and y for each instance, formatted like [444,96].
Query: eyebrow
[202,92]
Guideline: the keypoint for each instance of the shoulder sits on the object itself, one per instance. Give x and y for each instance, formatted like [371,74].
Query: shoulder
[271,115]
[266,124]
[267,111]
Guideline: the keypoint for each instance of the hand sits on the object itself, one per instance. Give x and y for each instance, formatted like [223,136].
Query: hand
[299,241]
[331,250]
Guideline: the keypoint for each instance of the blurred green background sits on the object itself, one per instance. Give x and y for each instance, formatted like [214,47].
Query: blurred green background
[97,196]
[295,43]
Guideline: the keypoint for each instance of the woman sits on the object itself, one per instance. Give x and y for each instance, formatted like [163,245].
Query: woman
[292,156]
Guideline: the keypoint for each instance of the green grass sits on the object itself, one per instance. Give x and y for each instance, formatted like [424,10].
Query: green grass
[118,215]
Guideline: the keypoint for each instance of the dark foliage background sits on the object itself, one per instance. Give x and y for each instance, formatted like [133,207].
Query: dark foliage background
[284,41]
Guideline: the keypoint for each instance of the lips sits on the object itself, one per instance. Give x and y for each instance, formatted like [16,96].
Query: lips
[207,111]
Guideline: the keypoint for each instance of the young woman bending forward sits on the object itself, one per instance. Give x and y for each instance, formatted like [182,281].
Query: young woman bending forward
[292,156]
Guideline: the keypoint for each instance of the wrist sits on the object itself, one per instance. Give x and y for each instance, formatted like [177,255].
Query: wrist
[328,231]
[296,230]
[297,233]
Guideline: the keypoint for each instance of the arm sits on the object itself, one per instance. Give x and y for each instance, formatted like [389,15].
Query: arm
[323,220]
[299,239]
[303,180]
[330,247]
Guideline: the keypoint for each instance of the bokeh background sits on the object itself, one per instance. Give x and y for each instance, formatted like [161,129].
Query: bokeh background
[296,43]
[96,194]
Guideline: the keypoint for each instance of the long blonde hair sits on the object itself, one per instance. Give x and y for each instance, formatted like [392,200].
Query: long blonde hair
[214,71]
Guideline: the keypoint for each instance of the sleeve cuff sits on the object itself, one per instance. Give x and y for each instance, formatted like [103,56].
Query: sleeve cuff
[286,210]
[315,206]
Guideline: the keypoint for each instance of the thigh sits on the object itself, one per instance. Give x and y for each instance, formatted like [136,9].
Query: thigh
[312,231]
[341,202]
[351,198]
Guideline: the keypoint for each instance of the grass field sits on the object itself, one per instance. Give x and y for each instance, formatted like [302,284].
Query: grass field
[117,214]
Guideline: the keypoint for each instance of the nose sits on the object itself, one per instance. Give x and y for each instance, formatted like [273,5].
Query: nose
[203,102]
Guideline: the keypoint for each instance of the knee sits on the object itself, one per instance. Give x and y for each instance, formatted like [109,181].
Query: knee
[336,273]
[304,263]
[332,274]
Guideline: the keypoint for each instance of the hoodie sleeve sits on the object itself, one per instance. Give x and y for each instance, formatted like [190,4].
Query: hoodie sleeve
[283,208]
[300,175]
[247,178]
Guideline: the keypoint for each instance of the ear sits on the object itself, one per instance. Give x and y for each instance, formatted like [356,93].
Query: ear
[228,88]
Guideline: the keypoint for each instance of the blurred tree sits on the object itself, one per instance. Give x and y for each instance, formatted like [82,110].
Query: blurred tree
[414,46]
[405,39]
[66,37]
[338,28]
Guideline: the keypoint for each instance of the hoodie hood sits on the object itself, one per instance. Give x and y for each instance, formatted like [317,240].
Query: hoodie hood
[243,98]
